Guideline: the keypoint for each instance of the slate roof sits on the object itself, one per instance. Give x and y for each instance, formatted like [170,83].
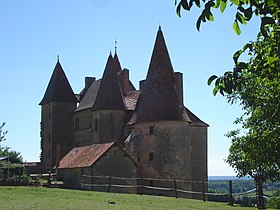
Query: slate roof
[194,119]
[90,96]
[86,156]
[117,63]
[59,89]
[159,100]
[109,96]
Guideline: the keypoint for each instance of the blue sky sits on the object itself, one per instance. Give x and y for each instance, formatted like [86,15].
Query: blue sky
[83,33]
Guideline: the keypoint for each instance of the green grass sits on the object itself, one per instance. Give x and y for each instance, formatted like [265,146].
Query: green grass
[46,198]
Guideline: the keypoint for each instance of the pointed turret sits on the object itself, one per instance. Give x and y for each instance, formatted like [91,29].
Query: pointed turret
[59,89]
[109,96]
[117,63]
[159,100]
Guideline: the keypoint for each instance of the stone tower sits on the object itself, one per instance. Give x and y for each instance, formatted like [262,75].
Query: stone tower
[163,143]
[101,112]
[57,108]
[108,108]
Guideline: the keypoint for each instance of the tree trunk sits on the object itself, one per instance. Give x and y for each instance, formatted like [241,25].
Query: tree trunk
[259,191]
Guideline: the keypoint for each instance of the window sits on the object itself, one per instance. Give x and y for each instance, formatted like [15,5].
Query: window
[151,156]
[152,130]
[96,125]
[138,159]
[115,152]
[77,123]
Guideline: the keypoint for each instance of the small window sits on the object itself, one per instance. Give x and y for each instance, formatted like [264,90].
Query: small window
[138,159]
[152,130]
[115,152]
[96,125]
[151,156]
[77,123]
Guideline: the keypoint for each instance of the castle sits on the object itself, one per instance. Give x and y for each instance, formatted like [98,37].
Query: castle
[110,128]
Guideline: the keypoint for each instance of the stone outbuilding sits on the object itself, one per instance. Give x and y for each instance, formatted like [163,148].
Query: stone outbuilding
[86,167]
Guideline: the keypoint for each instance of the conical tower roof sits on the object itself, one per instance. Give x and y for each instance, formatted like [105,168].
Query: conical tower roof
[59,89]
[109,96]
[117,63]
[159,100]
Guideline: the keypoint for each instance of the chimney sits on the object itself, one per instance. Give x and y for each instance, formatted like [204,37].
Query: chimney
[141,84]
[89,81]
[179,87]
[125,81]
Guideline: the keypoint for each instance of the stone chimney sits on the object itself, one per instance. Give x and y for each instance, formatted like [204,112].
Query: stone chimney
[125,81]
[89,81]
[141,84]
[179,87]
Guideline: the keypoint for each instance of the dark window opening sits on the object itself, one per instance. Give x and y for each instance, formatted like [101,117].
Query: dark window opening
[77,123]
[96,125]
[115,152]
[151,156]
[138,159]
[152,130]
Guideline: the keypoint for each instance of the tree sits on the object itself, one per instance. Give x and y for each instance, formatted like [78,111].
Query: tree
[269,13]
[267,10]
[257,151]
[256,85]
[14,157]
[2,133]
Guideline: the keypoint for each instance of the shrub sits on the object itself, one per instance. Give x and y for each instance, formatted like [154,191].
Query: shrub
[274,203]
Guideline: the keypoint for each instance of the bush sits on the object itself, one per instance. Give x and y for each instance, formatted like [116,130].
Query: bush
[274,203]
[246,201]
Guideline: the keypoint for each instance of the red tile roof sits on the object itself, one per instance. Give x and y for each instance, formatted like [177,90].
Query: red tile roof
[85,156]
[130,100]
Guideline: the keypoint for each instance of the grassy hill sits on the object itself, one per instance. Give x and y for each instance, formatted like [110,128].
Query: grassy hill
[47,198]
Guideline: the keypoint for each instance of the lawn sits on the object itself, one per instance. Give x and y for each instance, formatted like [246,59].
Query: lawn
[53,198]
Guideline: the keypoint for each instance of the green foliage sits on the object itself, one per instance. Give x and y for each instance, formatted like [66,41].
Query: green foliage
[2,133]
[274,203]
[267,10]
[14,157]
